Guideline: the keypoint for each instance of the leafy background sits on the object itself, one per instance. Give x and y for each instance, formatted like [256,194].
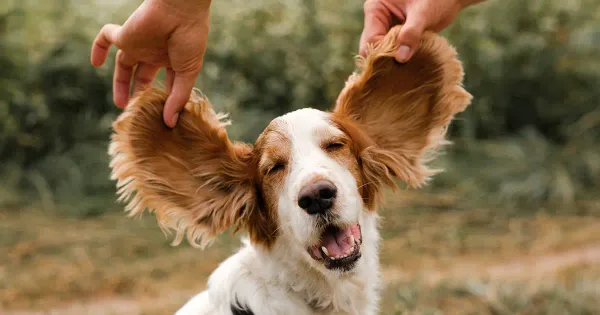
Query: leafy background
[529,144]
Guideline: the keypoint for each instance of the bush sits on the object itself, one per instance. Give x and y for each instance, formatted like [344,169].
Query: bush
[529,64]
[55,123]
[268,58]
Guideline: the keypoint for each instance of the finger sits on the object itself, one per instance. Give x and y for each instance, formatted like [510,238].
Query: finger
[169,78]
[143,77]
[378,20]
[122,79]
[107,36]
[180,94]
[409,37]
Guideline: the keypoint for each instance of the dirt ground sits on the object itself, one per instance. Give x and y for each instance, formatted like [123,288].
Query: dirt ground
[117,265]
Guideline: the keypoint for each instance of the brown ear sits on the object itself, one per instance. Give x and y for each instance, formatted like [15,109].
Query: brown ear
[193,177]
[403,108]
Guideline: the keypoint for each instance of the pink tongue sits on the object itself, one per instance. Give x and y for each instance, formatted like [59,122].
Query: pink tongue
[337,245]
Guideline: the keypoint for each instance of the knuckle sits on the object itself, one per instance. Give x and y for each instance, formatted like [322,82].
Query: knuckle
[122,80]
[100,45]
[371,6]
[143,81]
[121,56]
[106,30]
[412,33]
[123,60]
[188,68]
[110,33]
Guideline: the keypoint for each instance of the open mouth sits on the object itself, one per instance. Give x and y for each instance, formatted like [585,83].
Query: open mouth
[339,247]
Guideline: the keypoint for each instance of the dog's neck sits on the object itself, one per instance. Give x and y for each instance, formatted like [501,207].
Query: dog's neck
[348,292]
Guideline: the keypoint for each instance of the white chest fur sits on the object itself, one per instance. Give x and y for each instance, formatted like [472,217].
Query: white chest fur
[277,282]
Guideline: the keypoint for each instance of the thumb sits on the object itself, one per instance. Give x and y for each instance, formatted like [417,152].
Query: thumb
[183,83]
[409,38]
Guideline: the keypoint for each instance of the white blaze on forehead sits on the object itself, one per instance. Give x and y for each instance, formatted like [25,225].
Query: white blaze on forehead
[306,131]
[306,128]
[303,131]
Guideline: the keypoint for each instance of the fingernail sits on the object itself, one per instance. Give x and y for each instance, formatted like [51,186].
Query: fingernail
[403,53]
[174,119]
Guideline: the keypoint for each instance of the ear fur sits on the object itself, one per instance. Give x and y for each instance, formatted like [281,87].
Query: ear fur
[192,176]
[403,108]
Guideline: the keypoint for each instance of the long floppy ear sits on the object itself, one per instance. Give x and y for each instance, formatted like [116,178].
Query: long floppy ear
[404,109]
[192,176]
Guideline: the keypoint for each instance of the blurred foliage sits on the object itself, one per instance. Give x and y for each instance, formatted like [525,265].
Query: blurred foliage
[533,67]
[270,57]
[530,64]
[54,117]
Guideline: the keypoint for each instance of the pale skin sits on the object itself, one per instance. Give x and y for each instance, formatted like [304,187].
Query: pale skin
[172,34]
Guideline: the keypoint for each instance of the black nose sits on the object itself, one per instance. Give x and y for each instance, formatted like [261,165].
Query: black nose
[317,197]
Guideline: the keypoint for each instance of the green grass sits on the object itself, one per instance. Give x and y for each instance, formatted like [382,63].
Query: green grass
[499,298]
[436,257]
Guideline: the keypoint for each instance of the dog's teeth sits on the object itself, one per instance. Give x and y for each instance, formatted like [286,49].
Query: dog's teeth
[324,249]
[352,240]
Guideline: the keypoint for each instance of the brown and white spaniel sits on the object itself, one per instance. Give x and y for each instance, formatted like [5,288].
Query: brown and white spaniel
[305,193]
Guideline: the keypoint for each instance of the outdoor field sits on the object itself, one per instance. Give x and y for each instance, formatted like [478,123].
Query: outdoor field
[438,257]
[512,225]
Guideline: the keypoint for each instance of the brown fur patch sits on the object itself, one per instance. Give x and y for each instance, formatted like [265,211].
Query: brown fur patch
[272,149]
[358,142]
[400,112]
[196,181]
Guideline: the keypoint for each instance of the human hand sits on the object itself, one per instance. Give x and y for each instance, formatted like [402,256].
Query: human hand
[417,17]
[167,34]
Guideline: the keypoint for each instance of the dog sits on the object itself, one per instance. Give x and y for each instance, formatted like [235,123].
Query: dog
[305,193]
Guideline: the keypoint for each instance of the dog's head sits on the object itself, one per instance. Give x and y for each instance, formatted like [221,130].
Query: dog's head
[312,177]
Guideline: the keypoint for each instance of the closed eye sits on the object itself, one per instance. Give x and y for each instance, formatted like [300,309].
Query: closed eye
[334,146]
[277,167]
